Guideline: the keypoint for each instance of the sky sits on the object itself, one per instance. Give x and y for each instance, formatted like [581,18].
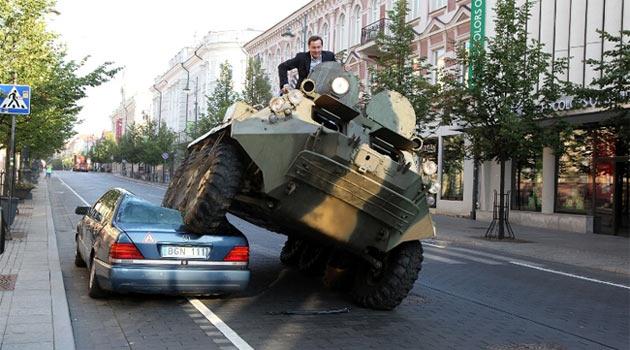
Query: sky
[143,35]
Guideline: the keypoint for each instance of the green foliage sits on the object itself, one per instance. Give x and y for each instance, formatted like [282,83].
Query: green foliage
[396,68]
[103,150]
[154,141]
[130,145]
[257,87]
[611,87]
[30,52]
[503,102]
[222,97]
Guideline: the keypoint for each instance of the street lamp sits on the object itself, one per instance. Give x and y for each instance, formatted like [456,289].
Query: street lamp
[290,34]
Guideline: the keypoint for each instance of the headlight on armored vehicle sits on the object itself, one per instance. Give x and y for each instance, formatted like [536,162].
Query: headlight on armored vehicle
[429,167]
[430,200]
[276,104]
[295,97]
[340,86]
[435,188]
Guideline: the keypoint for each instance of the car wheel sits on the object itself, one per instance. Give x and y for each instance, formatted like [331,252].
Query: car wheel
[94,289]
[78,259]
[384,288]
[213,194]
[290,254]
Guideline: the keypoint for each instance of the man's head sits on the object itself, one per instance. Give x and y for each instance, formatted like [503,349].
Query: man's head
[315,44]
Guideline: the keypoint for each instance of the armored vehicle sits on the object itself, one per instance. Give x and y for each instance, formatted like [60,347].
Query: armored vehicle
[341,177]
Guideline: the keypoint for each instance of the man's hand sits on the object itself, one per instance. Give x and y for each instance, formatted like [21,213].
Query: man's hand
[285,89]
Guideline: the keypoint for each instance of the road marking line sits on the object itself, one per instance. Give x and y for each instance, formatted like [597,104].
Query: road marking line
[73,191]
[220,325]
[470,257]
[441,259]
[570,275]
[433,245]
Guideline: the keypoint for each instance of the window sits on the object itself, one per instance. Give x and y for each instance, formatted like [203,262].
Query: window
[341,33]
[356,25]
[374,11]
[437,4]
[574,189]
[325,37]
[437,61]
[453,168]
[138,211]
[527,184]
[415,9]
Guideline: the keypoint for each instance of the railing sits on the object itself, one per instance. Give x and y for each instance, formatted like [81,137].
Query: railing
[371,31]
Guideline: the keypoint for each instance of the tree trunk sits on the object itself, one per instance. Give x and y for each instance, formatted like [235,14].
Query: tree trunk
[502,202]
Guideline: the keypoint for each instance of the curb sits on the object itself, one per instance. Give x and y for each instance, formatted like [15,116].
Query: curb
[62,327]
[148,183]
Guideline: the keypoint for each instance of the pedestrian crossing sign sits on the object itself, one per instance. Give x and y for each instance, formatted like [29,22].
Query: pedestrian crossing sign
[15,99]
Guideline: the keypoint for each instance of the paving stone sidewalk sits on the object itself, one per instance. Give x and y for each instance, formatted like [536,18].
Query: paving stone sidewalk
[34,314]
[602,252]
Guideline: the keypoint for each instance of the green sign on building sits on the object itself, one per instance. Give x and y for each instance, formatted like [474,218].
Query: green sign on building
[477,26]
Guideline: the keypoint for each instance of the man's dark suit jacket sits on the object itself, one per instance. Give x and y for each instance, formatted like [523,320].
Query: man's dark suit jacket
[301,61]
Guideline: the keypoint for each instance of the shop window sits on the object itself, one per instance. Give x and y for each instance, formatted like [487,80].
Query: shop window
[574,187]
[527,184]
[453,168]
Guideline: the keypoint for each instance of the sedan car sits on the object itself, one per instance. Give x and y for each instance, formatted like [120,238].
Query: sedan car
[132,245]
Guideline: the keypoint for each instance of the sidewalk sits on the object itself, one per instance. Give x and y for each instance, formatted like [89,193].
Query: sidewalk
[34,311]
[602,252]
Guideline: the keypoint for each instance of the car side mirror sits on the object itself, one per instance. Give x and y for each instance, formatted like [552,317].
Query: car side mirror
[82,210]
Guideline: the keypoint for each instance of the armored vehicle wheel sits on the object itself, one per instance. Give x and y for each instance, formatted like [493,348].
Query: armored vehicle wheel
[385,288]
[175,186]
[290,254]
[313,259]
[213,195]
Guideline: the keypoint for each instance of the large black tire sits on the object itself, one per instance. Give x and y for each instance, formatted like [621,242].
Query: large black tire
[212,196]
[385,288]
[313,259]
[78,259]
[94,289]
[176,192]
[290,254]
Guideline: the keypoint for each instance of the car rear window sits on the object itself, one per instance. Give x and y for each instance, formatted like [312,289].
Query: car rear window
[137,211]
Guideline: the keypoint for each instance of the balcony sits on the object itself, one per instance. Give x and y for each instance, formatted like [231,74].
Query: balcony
[371,31]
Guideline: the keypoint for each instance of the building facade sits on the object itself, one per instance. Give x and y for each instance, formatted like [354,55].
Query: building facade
[179,94]
[133,109]
[585,189]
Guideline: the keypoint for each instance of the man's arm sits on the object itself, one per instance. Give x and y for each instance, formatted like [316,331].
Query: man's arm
[286,66]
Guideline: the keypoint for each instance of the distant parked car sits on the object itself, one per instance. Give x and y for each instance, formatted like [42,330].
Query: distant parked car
[132,245]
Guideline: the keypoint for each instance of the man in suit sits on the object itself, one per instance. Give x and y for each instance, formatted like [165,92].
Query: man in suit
[305,62]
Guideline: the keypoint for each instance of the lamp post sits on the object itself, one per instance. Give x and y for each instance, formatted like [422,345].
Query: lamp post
[187,92]
[290,34]
[159,103]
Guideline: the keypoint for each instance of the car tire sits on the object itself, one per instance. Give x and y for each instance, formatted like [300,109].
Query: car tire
[213,194]
[291,251]
[385,288]
[94,289]
[78,259]
[313,259]
[174,187]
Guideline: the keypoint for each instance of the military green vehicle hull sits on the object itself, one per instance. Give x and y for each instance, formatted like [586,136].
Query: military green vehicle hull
[347,198]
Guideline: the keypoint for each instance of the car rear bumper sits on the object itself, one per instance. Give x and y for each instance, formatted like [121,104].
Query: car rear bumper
[171,279]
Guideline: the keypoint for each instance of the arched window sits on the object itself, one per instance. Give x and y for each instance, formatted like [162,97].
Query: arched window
[356,25]
[341,33]
[374,11]
[287,52]
[325,36]
[415,9]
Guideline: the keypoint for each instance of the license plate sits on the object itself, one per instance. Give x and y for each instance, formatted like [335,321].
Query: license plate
[185,252]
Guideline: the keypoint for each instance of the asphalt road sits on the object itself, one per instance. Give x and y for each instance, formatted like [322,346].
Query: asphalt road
[465,298]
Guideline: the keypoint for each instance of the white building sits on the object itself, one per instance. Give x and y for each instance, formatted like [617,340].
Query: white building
[132,109]
[179,95]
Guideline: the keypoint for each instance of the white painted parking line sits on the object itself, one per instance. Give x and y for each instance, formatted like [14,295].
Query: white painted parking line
[570,275]
[220,325]
[73,191]
[442,259]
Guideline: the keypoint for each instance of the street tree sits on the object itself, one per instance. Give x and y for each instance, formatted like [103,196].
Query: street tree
[257,89]
[155,141]
[222,97]
[396,67]
[130,146]
[611,87]
[511,90]
[103,150]
[31,53]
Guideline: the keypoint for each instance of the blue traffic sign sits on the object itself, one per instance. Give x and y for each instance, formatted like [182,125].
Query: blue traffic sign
[15,99]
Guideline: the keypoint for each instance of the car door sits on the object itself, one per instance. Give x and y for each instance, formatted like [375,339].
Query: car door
[105,234]
[94,222]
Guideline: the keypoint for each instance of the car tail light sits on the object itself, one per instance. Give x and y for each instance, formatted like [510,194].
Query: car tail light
[238,253]
[124,251]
